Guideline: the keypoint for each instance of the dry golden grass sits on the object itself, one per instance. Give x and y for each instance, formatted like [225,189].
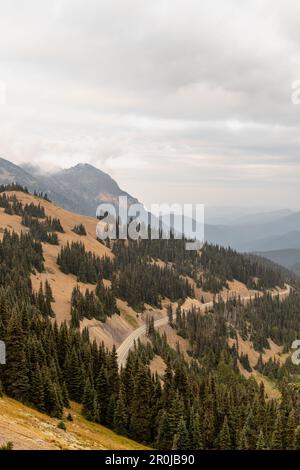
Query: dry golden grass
[30,430]
[246,347]
[158,365]
[118,327]
[61,284]
[115,330]
[174,340]
[271,390]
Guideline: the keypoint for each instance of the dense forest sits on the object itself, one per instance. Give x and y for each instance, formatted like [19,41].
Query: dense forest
[137,277]
[135,281]
[46,365]
[33,216]
[99,305]
[211,267]
[201,400]
[89,268]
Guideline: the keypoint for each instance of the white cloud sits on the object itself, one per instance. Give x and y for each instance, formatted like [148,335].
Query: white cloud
[183,97]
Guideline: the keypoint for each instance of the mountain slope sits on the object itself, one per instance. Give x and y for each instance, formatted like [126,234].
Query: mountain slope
[116,327]
[151,277]
[82,188]
[282,233]
[28,429]
[11,173]
[290,258]
[79,189]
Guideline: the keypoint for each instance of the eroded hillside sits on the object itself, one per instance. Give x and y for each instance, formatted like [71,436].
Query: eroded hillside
[116,327]
[208,322]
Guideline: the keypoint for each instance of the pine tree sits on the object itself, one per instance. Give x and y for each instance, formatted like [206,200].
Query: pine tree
[296,443]
[276,440]
[249,433]
[53,397]
[16,371]
[74,376]
[103,394]
[37,389]
[168,391]
[165,434]
[242,442]
[111,407]
[196,434]
[181,439]
[89,402]
[48,292]
[140,424]
[75,318]
[170,314]
[113,373]
[121,416]
[224,439]
[261,444]
[290,430]
[5,312]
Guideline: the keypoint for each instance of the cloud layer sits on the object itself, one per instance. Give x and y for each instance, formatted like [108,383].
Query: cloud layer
[182,101]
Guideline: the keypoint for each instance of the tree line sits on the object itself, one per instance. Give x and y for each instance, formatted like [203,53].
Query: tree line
[99,304]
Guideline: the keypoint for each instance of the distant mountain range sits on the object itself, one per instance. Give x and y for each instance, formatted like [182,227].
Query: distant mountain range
[79,189]
[280,233]
[289,258]
[273,234]
[277,239]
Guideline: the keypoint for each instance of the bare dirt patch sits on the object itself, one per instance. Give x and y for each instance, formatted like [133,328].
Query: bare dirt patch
[158,366]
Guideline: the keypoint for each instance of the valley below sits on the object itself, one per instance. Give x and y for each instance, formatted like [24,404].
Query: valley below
[143,309]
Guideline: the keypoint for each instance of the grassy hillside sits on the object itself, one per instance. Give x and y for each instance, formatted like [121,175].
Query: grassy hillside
[49,364]
[28,429]
[117,327]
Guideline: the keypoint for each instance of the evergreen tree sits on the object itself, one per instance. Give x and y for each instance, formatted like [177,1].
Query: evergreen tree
[296,443]
[16,371]
[170,314]
[53,397]
[74,376]
[242,442]
[196,434]
[276,440]
[224,439]
[261,444]
[290,430]
[102,389]
[140,424]
[181,439]
[165,434]
[37,397]
[89,402]
[121,415]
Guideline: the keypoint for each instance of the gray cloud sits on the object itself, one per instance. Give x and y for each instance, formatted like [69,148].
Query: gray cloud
[177,100]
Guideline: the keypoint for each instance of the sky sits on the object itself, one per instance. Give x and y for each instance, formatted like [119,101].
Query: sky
[179,100]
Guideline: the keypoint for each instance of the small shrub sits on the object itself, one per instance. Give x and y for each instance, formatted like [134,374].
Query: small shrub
[7,446]
[61,425]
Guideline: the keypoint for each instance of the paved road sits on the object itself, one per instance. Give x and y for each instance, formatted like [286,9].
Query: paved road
[128,343]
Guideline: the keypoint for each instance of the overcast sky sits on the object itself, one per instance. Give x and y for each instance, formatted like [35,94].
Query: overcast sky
[179,100]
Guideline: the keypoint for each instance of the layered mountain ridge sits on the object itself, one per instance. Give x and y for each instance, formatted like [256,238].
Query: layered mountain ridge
[79,189]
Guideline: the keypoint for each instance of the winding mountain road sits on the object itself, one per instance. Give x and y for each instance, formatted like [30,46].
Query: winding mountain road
[128,343]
